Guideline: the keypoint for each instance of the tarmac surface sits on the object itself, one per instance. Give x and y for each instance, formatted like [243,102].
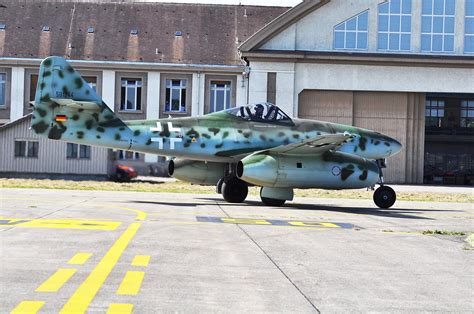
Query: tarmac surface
[99,251]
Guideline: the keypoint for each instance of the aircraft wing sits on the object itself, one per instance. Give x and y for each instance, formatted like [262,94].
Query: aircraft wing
[313,146]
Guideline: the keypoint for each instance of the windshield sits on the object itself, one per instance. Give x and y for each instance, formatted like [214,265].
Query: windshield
[262,112]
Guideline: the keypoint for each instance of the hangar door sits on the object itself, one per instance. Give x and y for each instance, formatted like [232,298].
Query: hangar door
[399,115]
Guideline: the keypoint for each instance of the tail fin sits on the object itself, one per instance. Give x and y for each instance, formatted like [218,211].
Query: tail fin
[64,100]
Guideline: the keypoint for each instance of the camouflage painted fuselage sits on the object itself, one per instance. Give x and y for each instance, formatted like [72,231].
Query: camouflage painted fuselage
[67,109]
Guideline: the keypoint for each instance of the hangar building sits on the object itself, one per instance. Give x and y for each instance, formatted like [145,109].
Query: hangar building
[402,67]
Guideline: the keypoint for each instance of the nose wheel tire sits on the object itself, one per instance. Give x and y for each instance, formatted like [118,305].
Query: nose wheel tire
[235,190]
[385,197]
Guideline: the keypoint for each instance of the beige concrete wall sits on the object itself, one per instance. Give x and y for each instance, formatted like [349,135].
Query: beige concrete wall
[51,155]
[398,115]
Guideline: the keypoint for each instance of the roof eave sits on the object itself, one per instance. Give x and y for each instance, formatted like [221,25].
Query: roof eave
[280,23]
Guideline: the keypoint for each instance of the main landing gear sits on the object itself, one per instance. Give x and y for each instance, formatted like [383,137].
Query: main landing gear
[384,196]
[232,188]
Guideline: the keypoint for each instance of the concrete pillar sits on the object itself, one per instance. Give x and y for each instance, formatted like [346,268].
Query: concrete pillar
[153,105]
[17,93]
[258,86]
[108,88]
[198,94]
[285,88]
[241,91]
[459,27]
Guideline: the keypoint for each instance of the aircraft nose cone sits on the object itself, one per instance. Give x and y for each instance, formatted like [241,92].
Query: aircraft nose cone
[394,147]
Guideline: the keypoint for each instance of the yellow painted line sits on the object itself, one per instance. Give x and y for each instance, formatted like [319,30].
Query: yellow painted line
[120,308]
[57,280]
[79,258]
[131,283]
[27,307]
[245,221]
[313,224]
[141,260]
[80,300]
[59,223]
[140,215]
[329,225]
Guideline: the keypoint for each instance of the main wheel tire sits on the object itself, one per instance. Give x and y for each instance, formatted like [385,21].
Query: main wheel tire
[271,201]
[385,197]
[235,190]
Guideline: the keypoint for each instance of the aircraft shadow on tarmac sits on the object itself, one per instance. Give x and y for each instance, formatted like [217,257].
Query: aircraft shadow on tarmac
[405,213]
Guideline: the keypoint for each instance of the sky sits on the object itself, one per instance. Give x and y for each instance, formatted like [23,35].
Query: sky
[285,3]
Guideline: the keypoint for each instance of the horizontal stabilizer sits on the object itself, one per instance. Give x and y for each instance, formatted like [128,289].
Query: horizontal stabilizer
[85,105]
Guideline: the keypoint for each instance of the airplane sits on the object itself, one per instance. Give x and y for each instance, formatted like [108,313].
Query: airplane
[252,145]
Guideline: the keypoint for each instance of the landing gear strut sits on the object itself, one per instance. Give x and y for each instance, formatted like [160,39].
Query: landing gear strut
[232,188]
[384,196]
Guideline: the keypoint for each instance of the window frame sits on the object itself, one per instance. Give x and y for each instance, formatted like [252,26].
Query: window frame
[4,82]
[122,155]
[77,151]
[468,16]
[138,93]
[227,90]
[434,104]
[388,32]
[467,106]
[356,31]
[29,144]
[181,88]
[443,34]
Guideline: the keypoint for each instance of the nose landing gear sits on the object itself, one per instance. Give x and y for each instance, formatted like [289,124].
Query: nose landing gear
[384,196]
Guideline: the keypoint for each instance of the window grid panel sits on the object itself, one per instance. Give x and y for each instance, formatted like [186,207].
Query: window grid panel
[469,27]
[3,83]
[390,39]
[132,87]
[176,88]
[222,88]
[438,26]
[353,33]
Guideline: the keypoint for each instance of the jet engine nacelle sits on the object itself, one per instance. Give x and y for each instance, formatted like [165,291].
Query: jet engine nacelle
[331,170]
[197,172]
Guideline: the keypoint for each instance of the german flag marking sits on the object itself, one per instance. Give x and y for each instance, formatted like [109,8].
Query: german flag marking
[61,118]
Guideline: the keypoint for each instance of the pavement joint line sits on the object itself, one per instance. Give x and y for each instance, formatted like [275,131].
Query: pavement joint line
[79,258]
[131,283]
[83,296]
[141,260]
[28,307]
[272,261]
[56,280]
[54,211]
[120,308]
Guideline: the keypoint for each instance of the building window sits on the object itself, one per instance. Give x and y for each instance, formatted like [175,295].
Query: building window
[33,84]
[175,98]
[437,25]
[467,114]
[76,151]
[127,155]
[220,95]
[131,94]
[352,33]
[469,27]
[434,113]
[394,25]
[25,148]
[92,81]
[3,83]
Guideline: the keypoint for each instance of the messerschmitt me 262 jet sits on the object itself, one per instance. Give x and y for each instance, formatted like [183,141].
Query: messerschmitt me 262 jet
[254,145]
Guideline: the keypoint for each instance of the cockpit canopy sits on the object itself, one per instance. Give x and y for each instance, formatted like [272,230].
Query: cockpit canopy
[261,112]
